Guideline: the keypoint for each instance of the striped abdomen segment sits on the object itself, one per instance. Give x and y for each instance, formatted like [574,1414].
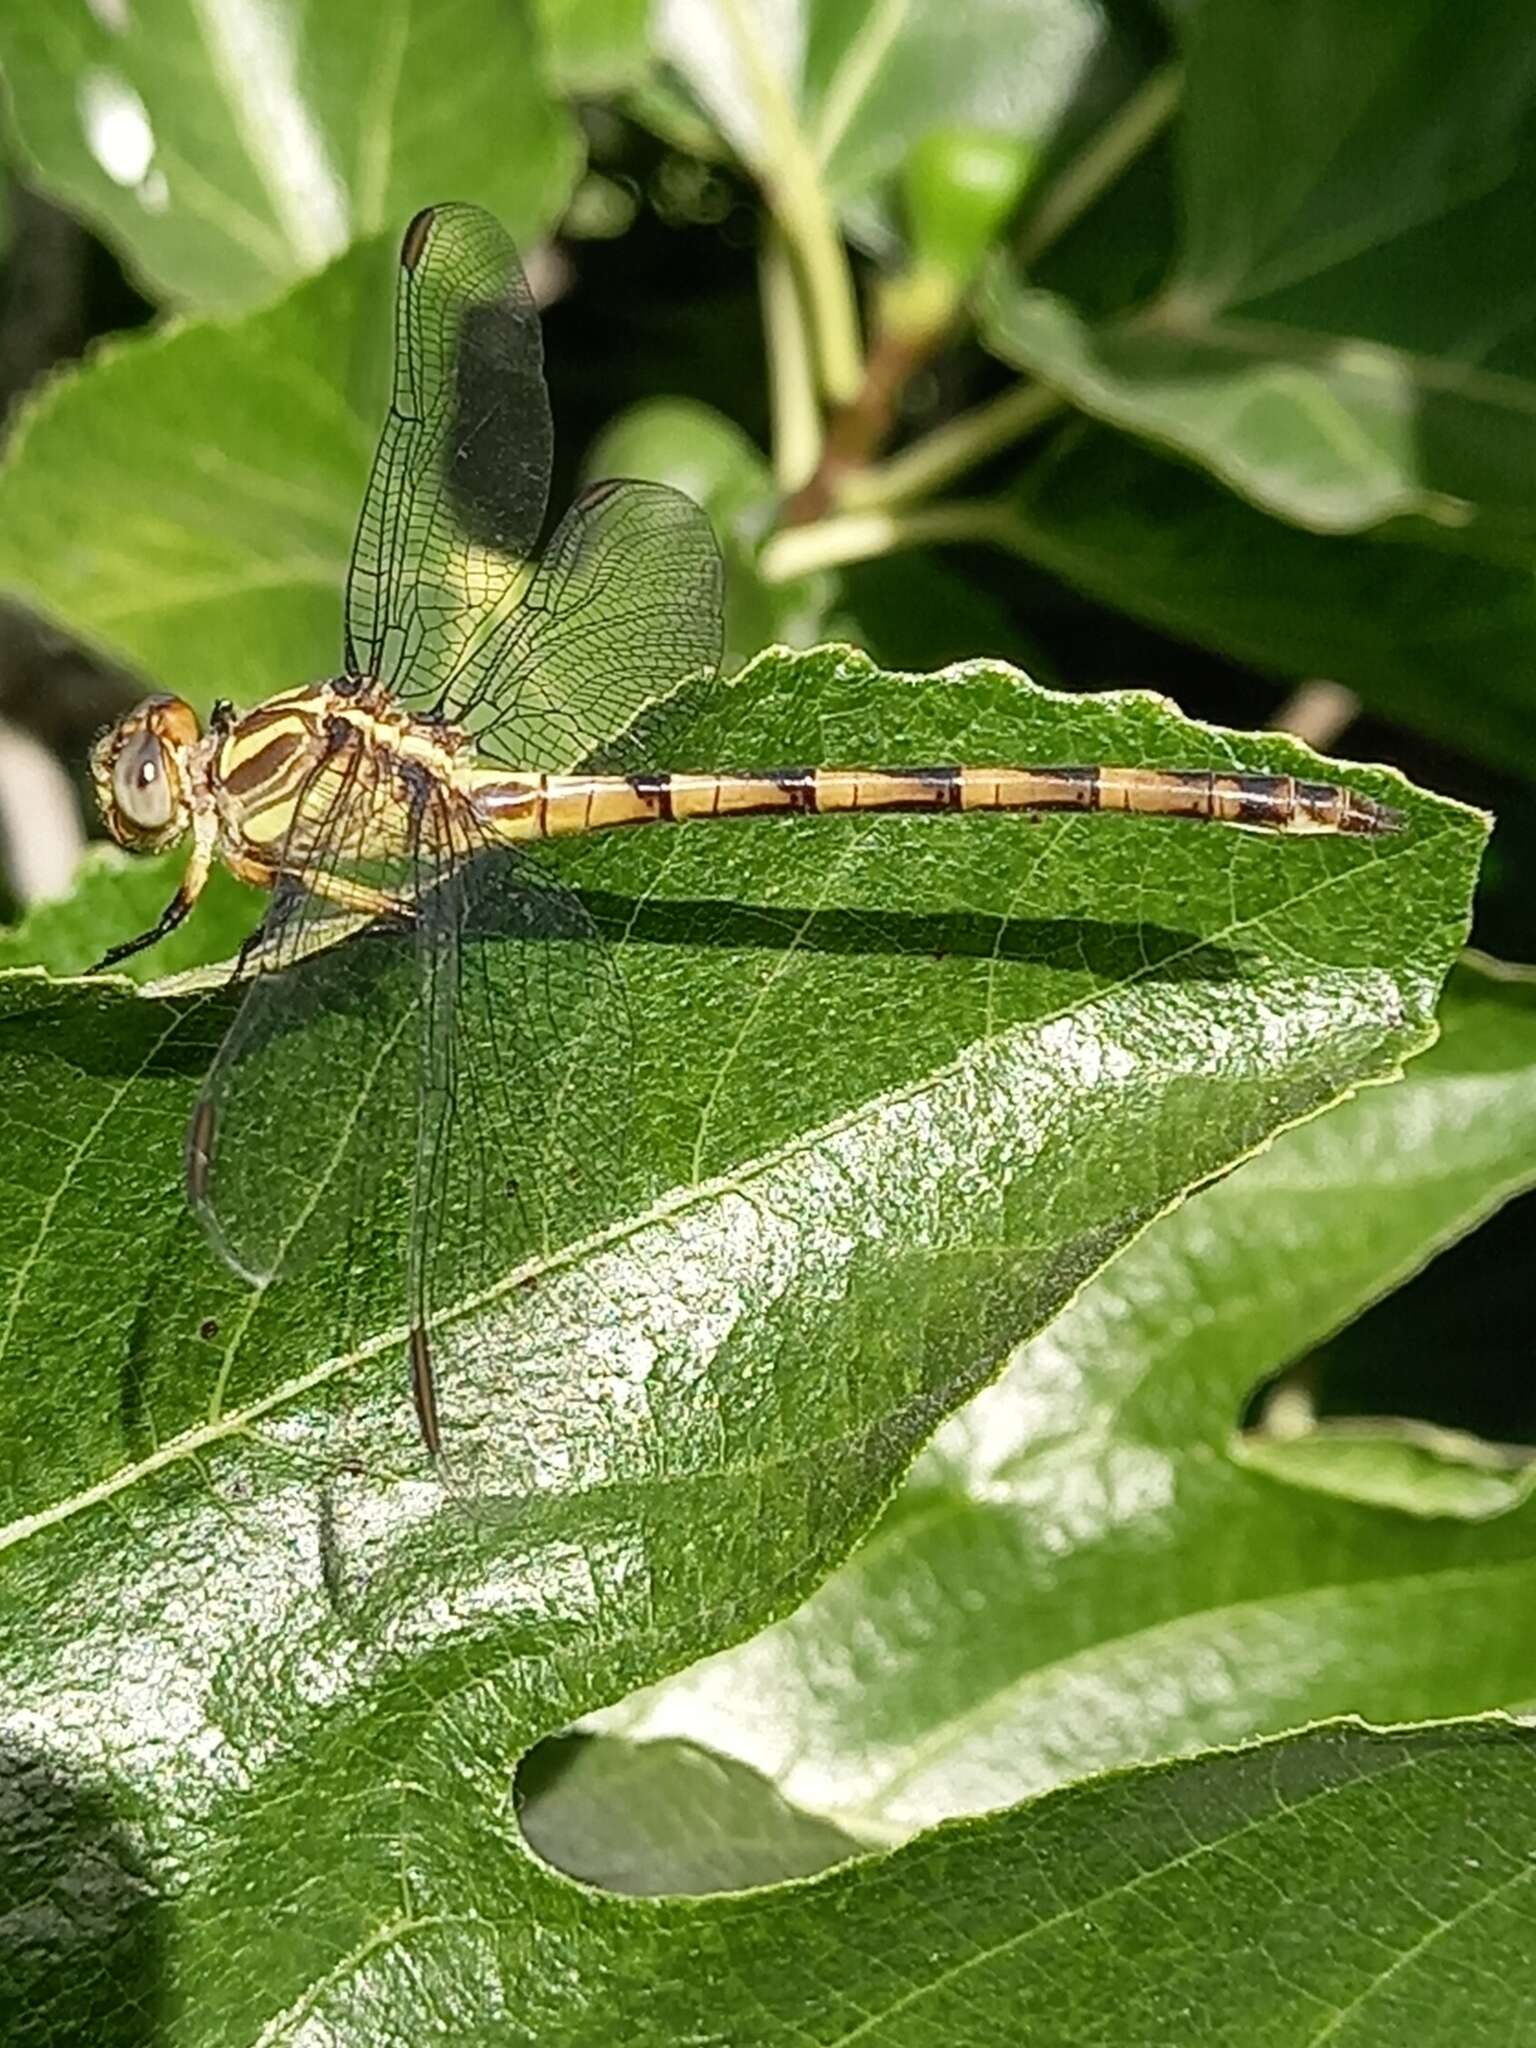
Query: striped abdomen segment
[541,807]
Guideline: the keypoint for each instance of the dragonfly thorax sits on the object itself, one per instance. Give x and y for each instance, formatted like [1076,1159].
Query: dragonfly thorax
[281,775]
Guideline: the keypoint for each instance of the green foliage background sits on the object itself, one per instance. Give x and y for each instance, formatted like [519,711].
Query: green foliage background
[1057,1365]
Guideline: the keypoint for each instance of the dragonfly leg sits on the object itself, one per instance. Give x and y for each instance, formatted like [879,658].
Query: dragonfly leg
[338,889]
[205,831]
[348,895]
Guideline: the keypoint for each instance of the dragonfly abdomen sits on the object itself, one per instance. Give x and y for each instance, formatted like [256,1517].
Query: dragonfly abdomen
[544,807]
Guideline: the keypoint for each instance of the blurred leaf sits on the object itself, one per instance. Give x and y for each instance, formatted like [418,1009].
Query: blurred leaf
[1338,341]
[1408,1465]
[1427,637]
[186,501]
[902,1086]
[654,1817]
[1077,1575]
[1420,1353]
[595,46]
[1120,250]
[917,611]
[865,84]
[117,896]
[231,149]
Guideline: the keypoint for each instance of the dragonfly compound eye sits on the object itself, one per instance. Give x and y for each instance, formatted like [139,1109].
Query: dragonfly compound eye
[141,786]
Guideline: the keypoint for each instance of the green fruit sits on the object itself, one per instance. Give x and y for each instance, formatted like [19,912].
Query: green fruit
[960,186]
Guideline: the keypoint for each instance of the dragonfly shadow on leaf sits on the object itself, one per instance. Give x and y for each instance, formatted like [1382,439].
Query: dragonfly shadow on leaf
[1104,947]
[102,1035]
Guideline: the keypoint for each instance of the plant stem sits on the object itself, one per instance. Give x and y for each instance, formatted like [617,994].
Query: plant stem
[792,182]
[791,380]
[855,430]
[952,449]
[1096,167]
[863,54]
[861,536]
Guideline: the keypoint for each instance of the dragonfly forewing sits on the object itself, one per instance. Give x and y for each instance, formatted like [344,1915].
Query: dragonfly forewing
[460,481]
[541,655]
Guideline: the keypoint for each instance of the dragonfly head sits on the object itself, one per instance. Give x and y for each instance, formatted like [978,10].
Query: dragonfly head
[142,773]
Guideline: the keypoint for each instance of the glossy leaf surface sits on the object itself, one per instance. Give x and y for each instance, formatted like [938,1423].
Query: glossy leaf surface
[903,1086]
[230,149]
[1078,1575]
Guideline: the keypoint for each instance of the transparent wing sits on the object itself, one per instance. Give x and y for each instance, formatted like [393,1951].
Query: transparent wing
[456,499]
[525,1093]
[625,604]
[283,1147]
[444,1090]
[542,659]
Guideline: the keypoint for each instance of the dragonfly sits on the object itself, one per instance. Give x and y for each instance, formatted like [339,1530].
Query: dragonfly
[394,812]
